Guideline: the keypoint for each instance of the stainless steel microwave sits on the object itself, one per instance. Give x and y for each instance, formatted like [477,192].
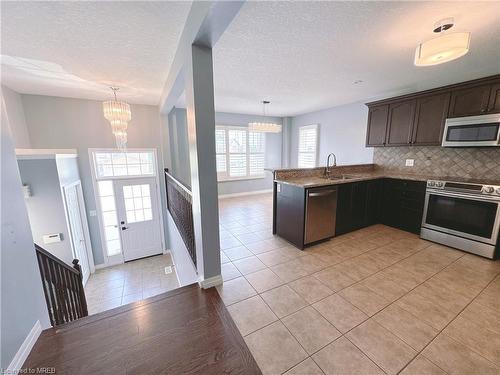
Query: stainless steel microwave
[470,131]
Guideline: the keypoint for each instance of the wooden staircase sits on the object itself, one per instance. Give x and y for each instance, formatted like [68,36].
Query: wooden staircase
[63,288]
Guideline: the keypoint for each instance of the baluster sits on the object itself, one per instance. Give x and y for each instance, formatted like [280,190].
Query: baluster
[74,282]
[74,295]
[68,295]
[81,291]
[43,274]
[52,287]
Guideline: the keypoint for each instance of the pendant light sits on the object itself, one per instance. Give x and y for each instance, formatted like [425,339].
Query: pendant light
[118,114]
[264,127]
[444,48]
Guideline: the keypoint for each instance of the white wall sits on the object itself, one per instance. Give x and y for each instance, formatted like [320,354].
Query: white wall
[55,122]
[17,121]
[23,302]
[45,206]
[342,130]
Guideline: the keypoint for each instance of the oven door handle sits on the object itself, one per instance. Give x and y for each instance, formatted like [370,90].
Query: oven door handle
[484,198]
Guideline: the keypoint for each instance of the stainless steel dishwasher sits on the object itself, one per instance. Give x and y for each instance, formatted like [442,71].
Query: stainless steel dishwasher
[321,208]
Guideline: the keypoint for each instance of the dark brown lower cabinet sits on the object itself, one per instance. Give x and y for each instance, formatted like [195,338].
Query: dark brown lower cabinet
[357,205]
[402,204]
[393,202]
[289,213]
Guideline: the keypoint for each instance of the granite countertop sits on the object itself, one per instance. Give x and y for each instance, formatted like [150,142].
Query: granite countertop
[317,181]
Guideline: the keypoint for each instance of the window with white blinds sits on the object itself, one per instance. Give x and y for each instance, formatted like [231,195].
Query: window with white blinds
[308,146]
[239,153]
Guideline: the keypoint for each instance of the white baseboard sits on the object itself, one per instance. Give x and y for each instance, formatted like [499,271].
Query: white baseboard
[255,192]
[25,349]
[210,282]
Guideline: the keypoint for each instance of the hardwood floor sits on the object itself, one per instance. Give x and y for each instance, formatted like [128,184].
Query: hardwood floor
[185,331]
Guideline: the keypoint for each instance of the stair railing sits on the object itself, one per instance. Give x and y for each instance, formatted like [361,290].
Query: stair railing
[63,288]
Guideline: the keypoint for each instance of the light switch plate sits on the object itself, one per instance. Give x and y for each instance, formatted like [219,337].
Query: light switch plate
[410,162]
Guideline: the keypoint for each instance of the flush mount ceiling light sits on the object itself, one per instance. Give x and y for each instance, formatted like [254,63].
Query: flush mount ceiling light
[264,127]
[118,114]
[444,48]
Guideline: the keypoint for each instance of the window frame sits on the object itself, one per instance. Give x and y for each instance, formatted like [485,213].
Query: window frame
[315,153]
[93,154]
[224,176]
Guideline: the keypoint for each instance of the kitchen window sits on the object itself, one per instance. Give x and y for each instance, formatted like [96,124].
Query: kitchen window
[308,146]
[240,153]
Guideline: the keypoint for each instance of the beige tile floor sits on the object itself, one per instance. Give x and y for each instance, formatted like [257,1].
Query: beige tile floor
[375,301]
[126,283]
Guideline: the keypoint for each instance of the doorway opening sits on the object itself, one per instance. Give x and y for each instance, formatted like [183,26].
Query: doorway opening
[136,266]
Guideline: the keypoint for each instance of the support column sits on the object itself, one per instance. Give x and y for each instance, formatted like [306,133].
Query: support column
[201,134]
[286,138]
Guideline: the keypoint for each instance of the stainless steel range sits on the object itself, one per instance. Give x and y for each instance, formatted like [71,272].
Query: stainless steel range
[462,215]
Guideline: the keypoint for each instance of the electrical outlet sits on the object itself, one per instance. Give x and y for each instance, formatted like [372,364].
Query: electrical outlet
[410,162]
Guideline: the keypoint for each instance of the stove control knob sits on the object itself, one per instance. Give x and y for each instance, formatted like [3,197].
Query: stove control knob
[431,183]
[498,190]
[439,184]
[489,189]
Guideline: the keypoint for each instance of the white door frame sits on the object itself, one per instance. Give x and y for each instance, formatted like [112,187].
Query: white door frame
[120,259]
[83,216]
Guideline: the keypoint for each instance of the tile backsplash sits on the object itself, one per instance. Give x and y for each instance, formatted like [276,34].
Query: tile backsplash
[476,163]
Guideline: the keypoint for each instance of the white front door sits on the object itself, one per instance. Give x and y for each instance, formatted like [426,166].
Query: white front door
[75,213]
[138,217]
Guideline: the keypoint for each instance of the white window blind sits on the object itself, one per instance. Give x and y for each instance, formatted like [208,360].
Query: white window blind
[239,152]
[308,146]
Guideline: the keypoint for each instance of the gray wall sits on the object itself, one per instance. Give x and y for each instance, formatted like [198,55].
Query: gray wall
[184,267]
[45,206]
[22,300]
[179,145]
[272,159]
[17,121]
[179,150]
[67,169]
[342,130]
[55,122]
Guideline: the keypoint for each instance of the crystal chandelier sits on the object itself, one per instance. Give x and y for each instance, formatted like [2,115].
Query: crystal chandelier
[118,114]
[264,127]
[444,48]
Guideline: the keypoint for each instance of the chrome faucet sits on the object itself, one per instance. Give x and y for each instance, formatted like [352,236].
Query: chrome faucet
[327,169]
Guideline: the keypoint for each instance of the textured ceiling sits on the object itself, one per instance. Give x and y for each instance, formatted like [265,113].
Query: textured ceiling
[78,49]
[305,56]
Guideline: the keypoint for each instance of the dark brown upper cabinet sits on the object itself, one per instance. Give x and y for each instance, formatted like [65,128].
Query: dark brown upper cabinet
[430,116]
[419,118]
[400,123]
[469,101]
[377,125]
[494,105]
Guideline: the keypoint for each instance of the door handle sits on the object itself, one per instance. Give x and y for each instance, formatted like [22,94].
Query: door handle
[124,228]
[322,194]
